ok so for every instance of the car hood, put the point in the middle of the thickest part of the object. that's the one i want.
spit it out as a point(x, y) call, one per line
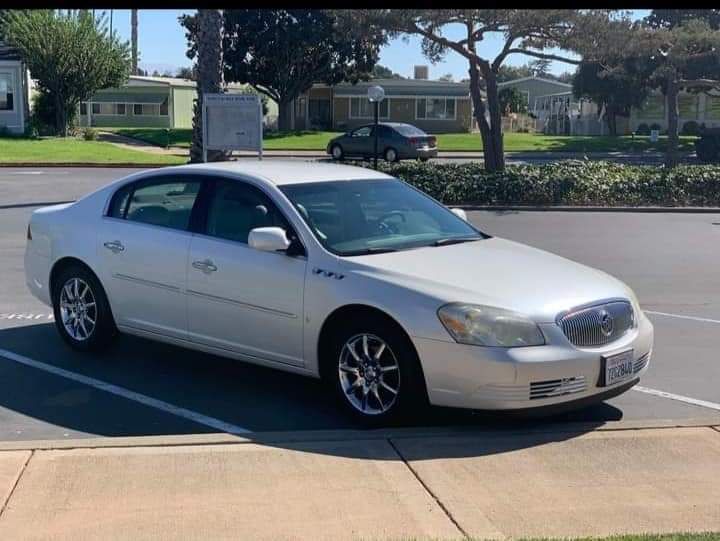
point(496, 272)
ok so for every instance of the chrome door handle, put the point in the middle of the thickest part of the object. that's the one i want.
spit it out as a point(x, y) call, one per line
point(205, 265)
point(114, 246)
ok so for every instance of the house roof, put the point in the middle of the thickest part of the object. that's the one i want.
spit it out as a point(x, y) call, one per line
point(147, 80)
point(542, 79)
point(405, 87)
point(8, 53)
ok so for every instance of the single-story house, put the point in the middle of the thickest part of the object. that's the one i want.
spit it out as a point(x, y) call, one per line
point(14, 84)
point(534, 87)
point(703, 108)
point(149, 102)
point(433, 106)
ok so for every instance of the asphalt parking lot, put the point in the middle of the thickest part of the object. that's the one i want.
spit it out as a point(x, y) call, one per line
point(143, 388)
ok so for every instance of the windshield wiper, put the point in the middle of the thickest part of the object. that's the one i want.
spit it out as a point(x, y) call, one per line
point(368, 251)
point(454, 240)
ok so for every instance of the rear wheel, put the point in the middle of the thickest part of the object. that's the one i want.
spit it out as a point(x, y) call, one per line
point(375, 372)
point(337, 152)
point(81, 309)
point(391, 155)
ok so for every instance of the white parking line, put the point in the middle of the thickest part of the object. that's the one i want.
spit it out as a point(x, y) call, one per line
point(680, 316)
point(126, 393)
point(678, 397)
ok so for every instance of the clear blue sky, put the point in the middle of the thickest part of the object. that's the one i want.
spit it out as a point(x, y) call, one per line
point(162, 46)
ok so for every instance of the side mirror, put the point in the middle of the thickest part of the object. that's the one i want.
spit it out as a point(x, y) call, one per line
point(268, 239)
point(460, 213)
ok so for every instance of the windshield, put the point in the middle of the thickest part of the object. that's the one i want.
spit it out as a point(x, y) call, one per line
point(357, 217)
point(409, 131)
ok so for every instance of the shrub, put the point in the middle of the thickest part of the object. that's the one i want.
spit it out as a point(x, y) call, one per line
point(655, 126)
point(572, 182)
point(89, 134)
point(643, 129)
point(690, 128)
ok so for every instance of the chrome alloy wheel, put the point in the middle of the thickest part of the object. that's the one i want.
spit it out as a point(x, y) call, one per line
point(369, 374)
point(78, 309)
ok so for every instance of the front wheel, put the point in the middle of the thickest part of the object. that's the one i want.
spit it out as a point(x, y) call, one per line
point(81, 309)
point(376, 373)
point(337, 152)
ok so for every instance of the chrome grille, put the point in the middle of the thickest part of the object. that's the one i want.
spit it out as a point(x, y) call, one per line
point(557, 387)
point(587, 327)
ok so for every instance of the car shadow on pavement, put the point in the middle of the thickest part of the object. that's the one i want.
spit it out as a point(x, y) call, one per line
point(255, 398)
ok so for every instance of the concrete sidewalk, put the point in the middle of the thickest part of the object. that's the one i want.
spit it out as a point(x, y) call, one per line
point(566, 481)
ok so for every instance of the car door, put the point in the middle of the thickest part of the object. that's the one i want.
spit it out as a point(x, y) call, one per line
point(143, 246)
point(359, 142)
point(239, 298)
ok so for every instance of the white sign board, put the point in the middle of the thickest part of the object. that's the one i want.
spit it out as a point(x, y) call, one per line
point(232, 122)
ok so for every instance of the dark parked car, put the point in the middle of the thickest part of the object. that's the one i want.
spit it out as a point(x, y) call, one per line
point(707, 147)
point(396, 141)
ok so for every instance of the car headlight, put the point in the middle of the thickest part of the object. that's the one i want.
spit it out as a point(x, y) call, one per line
point(480, 325)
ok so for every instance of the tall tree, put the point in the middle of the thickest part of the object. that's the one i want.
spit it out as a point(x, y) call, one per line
point(512, 100)
point(282, 52)
point(615, 90)
point(528, 32)
point(540, 67)
point(70, 55)
point(134, 39)
point(448, 77)
point(186, 73)
point(381, 72)
point(205, 34)
point(670, 18)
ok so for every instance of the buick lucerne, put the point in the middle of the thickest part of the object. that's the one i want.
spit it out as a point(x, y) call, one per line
point(337, 272)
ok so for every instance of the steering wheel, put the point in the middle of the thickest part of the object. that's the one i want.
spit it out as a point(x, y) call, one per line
point(388, 227)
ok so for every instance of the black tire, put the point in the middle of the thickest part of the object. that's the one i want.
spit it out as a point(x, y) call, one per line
point(411, 398)
point(104, 329)
point(337, 152)
point(391, 155)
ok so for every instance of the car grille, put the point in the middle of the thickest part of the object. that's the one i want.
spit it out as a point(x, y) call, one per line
point(598, 325)
point(557, 387)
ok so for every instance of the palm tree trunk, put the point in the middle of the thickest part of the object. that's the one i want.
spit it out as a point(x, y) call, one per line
point(134, 39)
point(209, 64)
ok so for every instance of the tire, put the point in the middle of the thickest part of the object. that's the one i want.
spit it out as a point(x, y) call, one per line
point(95, 327)
point(390, 155)
point(337, 153)
point(341, 371)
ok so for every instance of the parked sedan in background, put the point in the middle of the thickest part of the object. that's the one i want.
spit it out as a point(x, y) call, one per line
point(337, 272)
point(396, 141)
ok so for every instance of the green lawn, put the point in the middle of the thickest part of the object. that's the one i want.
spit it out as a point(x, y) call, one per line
point(72, 150)
point(514, 142)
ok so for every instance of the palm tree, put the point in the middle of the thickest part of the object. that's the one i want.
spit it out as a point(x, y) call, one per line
point(209, 67)
point(134, 39)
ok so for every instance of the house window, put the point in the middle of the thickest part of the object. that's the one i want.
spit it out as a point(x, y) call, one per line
point(6, 92)
point(120, 109)
point(362, 108)
point(654, 107)
point(150, 109)
point(96, 108)
point(712, 107)
point(103, 108)
point(688, 106)
point(435, 108)
point(83, 108)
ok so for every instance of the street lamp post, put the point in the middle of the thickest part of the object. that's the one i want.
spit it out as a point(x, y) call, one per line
point(376, 94)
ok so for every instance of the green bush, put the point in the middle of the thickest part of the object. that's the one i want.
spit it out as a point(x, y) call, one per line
point(572, 182)
point(690, 128)
point(655, 126)
point(643, 129)
point(89, 134)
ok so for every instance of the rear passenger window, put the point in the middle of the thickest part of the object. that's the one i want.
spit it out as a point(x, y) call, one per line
point(119, 202)
point(166, 203)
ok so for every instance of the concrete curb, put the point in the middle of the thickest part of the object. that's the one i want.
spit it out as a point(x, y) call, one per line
point(308, 436)
point(87, 165)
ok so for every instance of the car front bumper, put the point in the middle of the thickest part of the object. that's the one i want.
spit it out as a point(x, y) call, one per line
point(489, 378)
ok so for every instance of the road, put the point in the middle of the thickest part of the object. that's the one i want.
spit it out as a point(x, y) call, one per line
point(141, 387)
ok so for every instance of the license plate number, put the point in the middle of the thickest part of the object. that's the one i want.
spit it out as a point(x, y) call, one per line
point(618, 367)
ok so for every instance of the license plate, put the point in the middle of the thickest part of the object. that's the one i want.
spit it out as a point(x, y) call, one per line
point(618, 367)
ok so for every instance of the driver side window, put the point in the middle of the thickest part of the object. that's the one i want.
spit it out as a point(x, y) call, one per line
point(236, 208)
point(362, 132)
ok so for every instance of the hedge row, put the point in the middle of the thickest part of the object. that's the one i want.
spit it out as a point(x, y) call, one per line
point(572, 182)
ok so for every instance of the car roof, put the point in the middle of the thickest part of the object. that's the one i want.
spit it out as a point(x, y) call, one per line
point(281, 172)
